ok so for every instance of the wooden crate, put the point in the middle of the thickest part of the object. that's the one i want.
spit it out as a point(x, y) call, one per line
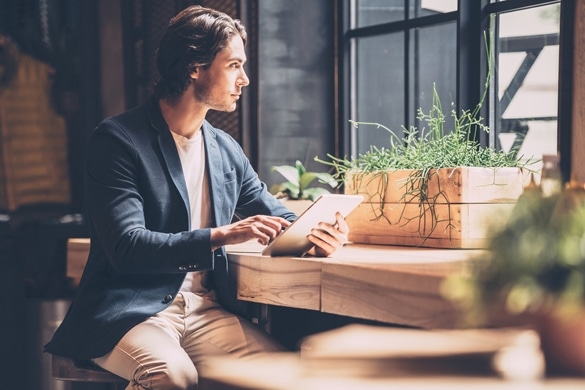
point(463, 205)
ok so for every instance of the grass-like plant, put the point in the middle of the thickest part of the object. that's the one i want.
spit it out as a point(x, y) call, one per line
point(432, 148)
point(425, 151)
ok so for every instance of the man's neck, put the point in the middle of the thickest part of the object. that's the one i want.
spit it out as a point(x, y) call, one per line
point(183, 116)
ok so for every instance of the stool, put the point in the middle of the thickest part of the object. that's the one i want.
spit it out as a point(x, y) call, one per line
point(65, 369)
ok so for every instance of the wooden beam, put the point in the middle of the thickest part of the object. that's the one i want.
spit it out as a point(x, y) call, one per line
point(578, 117)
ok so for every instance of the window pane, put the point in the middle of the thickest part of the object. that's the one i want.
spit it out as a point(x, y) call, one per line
point(527, 80)
point(379, 89)
point(436, 6)
point(371, 12)
point(433, 63)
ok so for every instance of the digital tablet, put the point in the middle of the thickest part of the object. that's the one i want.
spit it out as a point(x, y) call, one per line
point(293, 240)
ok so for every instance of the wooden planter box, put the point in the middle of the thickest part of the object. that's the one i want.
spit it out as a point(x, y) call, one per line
point(461, 206)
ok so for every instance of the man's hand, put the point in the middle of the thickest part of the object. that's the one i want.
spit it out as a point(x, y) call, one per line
point(264, 228)
point(328, 238)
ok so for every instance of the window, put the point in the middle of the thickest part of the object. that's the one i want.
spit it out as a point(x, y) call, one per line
point(526, 83)
point(395, 52)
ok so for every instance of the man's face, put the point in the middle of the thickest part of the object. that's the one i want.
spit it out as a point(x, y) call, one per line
point(220, 85)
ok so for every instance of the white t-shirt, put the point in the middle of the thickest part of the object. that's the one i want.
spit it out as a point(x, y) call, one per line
point(192, 155)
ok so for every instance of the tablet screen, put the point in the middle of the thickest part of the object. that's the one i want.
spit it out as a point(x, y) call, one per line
point(293, 240)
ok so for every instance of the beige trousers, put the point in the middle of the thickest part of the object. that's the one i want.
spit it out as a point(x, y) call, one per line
point(164, 351)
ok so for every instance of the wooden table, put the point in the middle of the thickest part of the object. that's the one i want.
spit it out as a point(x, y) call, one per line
point(398, 285)
point(392, 284)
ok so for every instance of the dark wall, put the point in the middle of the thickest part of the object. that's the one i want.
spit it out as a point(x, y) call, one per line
point(296, 84)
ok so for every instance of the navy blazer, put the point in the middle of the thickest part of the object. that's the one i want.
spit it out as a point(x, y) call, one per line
point(138, 216)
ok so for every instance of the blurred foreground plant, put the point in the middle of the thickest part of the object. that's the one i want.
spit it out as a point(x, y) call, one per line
point(535, 264)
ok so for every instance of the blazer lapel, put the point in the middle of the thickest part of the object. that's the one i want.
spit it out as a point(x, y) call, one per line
point(214, 171)
point(169, 153)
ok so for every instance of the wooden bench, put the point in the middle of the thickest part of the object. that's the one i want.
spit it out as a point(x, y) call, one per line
point(65, 369)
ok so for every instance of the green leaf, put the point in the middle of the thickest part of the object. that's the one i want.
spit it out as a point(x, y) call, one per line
point(300, 168)
point(276, 188)
point(298, 181)
point(307, 179)
point(292, 189)
point(314, 193)
point(326, 178)
point(291, 174)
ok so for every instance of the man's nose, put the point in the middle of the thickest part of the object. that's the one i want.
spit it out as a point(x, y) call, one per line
point(243, 80)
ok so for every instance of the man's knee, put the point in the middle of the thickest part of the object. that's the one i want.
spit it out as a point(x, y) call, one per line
point(170, 375)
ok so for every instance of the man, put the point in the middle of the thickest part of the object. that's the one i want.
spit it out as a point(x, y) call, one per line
point(162, 189)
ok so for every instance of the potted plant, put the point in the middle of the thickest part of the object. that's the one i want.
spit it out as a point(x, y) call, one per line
point(533, 273)
point(433, 187)
point(300, 190)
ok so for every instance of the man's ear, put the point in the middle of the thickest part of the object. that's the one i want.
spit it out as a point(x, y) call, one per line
point(194, 73)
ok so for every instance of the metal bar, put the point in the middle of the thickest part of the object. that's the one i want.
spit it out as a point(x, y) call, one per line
point(514, 5)
point(532, 42)
point(402, 25)
point(518, 79)
point(566, 80)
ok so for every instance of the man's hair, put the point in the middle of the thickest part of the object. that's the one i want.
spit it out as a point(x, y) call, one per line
point(192, 39)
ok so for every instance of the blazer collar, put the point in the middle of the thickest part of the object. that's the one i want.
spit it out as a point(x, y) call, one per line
point(214, 170)
point(171, 157)
point(168, 150)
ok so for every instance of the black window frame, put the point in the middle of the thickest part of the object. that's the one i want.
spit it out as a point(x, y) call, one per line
point(472, 19)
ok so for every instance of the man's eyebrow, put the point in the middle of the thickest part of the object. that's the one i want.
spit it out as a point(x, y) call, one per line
point(237, 59)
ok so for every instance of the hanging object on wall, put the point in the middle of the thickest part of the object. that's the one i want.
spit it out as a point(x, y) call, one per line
point(33, 137)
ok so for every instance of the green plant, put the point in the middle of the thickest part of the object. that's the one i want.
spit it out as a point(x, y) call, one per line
point(298, 182)
point(424, 152)
point(534, 264)
point(434, 148)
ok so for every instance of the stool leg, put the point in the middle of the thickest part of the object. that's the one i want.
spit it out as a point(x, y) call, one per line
point(264, 317)
point(261, 316)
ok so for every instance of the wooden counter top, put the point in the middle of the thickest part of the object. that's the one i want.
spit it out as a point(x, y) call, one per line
point(399, 285)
